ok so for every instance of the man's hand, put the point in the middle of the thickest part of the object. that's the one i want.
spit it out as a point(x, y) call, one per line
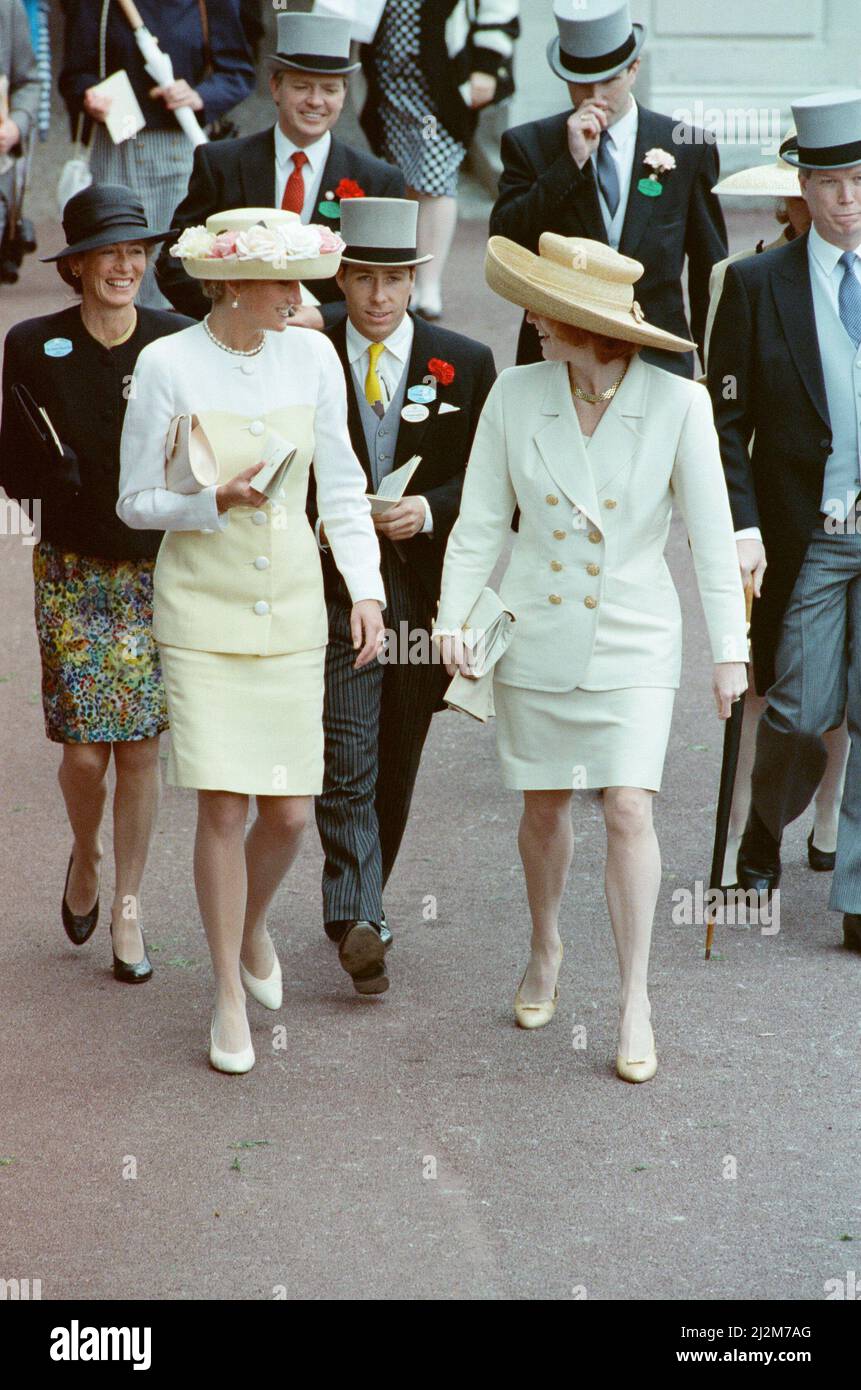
point(306, 316)
point(239, 492)
point(96, 105)
point(752, 563)
point(482, 89)
point(9, 135)
point(402, 521)
point(177, 94)
point(367, 631)
point(584, 130)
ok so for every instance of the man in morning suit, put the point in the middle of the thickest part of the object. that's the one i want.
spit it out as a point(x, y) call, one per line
point(785, 367)
point(295, 164)
point(412, 389)
point(585, 173)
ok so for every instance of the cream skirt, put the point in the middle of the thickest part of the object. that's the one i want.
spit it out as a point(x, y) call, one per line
point(562, 740)
point(251, 724)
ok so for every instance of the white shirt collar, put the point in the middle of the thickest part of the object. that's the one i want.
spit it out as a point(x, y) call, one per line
point(317, 153)
point(825, 252)
point(624, 132)
point(399, 343)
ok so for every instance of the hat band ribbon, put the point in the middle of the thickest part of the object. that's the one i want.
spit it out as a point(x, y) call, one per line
point(315, 61)
point(126, 218)
point(382, 255)
point(605, 60)
point(828, 154)
point(603, 304)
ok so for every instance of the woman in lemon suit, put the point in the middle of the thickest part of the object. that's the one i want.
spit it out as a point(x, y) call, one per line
point(239, 613)
point(593, 446)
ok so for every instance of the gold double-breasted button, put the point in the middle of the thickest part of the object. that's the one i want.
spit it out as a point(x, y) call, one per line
point(594, 537)
point(593, 569)
point(559, 535)
point(556, 565)
point(610, 504)
point(555, 598)
point(551, 499)
point(591, 602)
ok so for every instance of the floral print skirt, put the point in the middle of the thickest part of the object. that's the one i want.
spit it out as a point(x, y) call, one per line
point(101, 675)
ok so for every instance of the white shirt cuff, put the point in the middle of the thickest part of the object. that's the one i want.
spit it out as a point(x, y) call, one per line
point(317, 527)
point(427, 528)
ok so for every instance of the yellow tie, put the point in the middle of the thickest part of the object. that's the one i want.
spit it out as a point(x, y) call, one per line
point(373, 386)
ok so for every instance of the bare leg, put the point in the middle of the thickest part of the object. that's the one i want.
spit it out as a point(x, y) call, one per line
point(135, 807)
point(271, 846)
point(830, 794)
point(436, 229)
point(633, 879)
point(83, 782)
point(219, 876)
point(546, 844)
point(753, 706)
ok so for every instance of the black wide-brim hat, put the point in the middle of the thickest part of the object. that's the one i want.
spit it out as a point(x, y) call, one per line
point(103, 214)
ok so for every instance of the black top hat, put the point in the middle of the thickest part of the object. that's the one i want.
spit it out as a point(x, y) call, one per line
point(103, 214)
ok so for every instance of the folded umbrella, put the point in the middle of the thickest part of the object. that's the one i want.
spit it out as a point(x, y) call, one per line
point(160, 68)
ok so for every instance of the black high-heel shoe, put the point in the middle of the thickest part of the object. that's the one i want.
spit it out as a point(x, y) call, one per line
point(823, 860)
point(131, 974)
point(78, 928)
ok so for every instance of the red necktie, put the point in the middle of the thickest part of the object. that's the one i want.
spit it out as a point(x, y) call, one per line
point(294, 189)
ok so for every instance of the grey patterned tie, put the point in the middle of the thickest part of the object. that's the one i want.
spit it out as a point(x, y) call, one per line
point(849, 298)
point(608, 174)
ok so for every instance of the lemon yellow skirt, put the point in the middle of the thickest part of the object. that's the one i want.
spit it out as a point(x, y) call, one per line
point(578, 739)
point(251, 724)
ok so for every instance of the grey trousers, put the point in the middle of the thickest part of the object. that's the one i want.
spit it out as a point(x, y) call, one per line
point(818, 677)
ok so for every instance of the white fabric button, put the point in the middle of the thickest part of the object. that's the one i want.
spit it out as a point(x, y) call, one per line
point(261, 563)
point(259, 518)
point(261, 608)
point(246, 369)
point(257, 427)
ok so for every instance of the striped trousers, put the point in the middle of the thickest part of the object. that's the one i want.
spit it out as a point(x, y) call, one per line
point(375, 722)
point(818, 678)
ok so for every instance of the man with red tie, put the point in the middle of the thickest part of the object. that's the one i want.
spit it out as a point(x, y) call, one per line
point(297, 164)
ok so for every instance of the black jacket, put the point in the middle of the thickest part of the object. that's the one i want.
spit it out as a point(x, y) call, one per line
point(443, 441)
point(84, 393)
point(241, 174)
point(765, 377)
point(543, 190)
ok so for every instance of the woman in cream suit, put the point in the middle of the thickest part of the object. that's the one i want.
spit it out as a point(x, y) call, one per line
point(239, 612)
point(593, 446)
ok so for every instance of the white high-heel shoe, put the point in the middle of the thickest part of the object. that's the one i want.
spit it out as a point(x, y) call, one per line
point(232, 1062)
point(638, 1069)
point(268, 992)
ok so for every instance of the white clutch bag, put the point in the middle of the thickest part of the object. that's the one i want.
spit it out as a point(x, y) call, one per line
point(190, 463)
point(487, 633)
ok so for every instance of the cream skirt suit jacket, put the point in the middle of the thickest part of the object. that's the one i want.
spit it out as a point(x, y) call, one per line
point(584, 693)
point(239, 613)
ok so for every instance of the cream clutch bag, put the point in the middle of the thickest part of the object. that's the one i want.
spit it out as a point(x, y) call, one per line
point(487, 633)
point(190, 464)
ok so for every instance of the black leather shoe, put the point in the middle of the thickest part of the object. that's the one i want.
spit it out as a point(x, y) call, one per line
point(78, 929)
point(852, 931)
point(758, 857)
point(131, 974)
point(820, 859)
point(362, 954)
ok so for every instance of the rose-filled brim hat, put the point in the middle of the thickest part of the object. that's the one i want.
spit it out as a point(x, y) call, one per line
point(576, 281)
point(258, 244)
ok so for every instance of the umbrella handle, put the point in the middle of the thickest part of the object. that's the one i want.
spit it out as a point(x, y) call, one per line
point(132, 13)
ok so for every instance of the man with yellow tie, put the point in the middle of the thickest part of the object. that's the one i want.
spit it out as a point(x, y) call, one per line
point(413, 388)
point(298, 164)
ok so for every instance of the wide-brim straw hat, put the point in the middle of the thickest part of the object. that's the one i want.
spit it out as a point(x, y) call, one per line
point(577, 281)
point(775, 180)
point(293, 267)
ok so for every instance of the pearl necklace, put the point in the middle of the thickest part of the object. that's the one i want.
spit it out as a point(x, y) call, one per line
point(602, 395)
point(235, 352)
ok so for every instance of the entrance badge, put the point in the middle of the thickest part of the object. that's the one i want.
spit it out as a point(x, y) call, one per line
point(415, 413)
point(58, 347)
point(423, 395)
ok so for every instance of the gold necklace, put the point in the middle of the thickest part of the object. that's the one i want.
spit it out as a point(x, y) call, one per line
point(602, 395)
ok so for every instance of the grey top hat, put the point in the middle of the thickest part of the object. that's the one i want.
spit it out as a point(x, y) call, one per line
point(828, 131)
point(596, 39)
point(380, 231)
point(313, 43)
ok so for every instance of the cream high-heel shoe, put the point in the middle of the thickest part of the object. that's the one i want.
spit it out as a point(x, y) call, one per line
point(536, 1015)
point(268, 992)
point(232, 1062)
point(629, 1069)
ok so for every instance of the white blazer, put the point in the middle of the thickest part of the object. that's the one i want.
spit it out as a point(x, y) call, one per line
point(587, 580)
